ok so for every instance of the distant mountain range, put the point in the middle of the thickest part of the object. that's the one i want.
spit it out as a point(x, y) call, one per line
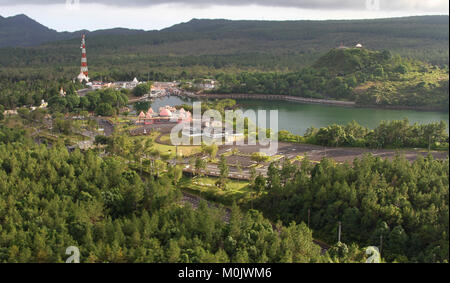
point(23, 31)
point(222, 44)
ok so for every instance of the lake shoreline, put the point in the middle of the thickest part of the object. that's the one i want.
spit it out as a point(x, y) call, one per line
point(296, 99)
point(298, 117)
point(277, 98)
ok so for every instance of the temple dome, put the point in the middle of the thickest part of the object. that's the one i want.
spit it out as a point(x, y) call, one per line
point(165, 113)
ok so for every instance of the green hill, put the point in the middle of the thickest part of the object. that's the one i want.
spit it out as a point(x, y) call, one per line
point(352, 60)
point(383, 79)
point(213, 46)
point(250, 57)
point(355, 74)
point(22, 31)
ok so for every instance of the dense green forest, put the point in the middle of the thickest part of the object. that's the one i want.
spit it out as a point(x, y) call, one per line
point(28, 91)
point(50, 199)
point(406, 204)
point(367, 77)
point(209, 47)
point(102, 102)
point(389, 134)
point(19, 88)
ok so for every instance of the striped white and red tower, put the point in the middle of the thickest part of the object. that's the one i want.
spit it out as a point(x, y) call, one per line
point(84, 66)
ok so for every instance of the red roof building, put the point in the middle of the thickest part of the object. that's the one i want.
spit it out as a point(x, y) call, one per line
point(165, 113)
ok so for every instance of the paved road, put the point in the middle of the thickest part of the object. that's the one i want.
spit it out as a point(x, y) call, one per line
point(83, 92)
point(339, 154)
point(106, 125)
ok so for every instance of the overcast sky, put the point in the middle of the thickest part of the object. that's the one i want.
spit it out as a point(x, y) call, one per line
point(156, 14)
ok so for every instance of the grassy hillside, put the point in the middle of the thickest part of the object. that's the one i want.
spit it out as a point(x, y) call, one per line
point(253, 57)
point(210, 47)
point(383, 79)
point(352, 60)
point(356, 74)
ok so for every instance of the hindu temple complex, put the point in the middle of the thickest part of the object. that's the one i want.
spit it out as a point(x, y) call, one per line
point(165, 114)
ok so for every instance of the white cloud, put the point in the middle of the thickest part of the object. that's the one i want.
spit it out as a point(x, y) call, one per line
point(415, 5)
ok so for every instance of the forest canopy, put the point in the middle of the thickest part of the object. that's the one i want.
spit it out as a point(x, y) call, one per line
point(51, 199)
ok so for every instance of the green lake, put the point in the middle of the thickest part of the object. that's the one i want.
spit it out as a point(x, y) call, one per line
point(298, 117)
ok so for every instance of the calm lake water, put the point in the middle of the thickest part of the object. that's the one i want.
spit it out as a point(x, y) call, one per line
point(298, 117)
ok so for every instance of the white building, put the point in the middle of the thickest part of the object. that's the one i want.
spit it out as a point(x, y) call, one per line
point(10, 112)
point(82, 77)
point(43, 104)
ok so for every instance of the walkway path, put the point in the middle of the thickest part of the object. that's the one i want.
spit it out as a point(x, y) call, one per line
point(271, 97)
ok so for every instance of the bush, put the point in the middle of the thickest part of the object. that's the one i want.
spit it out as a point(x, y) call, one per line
point(141, 89)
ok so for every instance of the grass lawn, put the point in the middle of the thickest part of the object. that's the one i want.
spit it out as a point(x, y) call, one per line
point(236, 191)
point(182, 150)
point(123, 127)
point(120, 119)
point(165, 149)
point(165, 138)
point(185, 151)
point(169, 149)
point(189, 150)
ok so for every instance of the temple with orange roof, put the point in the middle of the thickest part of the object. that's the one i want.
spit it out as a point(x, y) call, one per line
point(166, 114)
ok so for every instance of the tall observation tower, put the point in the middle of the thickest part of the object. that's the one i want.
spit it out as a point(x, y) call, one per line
point(83, 76)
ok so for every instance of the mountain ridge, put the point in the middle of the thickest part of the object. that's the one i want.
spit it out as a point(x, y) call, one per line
point(218, 44)
point(21, 30)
